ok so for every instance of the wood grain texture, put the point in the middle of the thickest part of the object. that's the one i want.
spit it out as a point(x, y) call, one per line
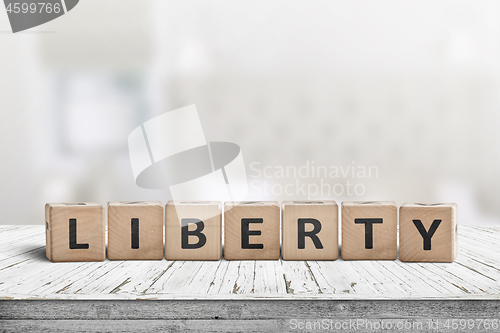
point(258, 309)
point(238, 315)
point(443, 245)
point(326, 213)
point(269, 212)
point(25, 273)
point(149, 239)
point(74, 232)
point(210, 213)
point(384, 234)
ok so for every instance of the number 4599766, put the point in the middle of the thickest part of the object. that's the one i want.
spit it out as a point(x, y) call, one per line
point(472, 324)
point(32, 7)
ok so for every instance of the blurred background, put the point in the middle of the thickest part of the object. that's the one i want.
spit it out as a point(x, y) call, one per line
point(408, 87)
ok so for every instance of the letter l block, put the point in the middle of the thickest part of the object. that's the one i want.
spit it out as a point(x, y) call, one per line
point(74, 232)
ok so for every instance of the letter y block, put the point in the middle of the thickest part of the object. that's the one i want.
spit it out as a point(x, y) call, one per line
point(428, 232)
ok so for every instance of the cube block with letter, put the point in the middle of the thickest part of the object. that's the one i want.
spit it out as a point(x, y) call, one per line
point(428, 232)
point(193, 230)
point(74, 232)
point(135, 230)
point(369, 230)
point(310, 230)
point(252, 230)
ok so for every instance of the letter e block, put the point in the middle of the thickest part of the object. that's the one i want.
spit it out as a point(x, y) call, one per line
point(369, 230)
point(310, 230)
point(428, 233)
point(252, 230)
point(135, 230)
point(193, 230)
point(74, 232)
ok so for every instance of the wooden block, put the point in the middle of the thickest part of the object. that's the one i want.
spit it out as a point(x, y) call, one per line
point(74, 232)
point(369, 230)
point(135, 230)
point(310, 230)
point(193, 230)
point(428, 233)
point(251, 230)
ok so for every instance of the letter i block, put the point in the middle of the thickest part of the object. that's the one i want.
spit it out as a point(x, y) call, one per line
point(74, 232)
point(310, 230)
point(252, 230)
point(193, 230)
point(135, 230)
point(369, 230)
point(428, 233)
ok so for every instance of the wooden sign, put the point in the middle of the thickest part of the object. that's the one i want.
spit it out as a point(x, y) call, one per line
point(74, 232)
point(193, 231)
point(310, 230)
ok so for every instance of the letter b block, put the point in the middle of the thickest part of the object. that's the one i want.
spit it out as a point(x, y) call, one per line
point(252, 230)
point(369, 230)
point(74, 232)
point(310, 230)
point(428, 233)
point(193, 230)
point(135, 230)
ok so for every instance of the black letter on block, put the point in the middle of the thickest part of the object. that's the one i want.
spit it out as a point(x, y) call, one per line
point(312, 234)
point(73, 245)
point(246, 233)
point(134, 225)
point(202, 239)
point(427, 235)
point(368, 230)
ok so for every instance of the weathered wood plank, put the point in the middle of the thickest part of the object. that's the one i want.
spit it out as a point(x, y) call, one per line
point(245, 309)
point(25, 273)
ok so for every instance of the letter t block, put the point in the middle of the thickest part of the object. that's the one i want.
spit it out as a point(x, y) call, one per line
point(428, 233)
point(369, 230)
point(193, 230)
point(252, 230)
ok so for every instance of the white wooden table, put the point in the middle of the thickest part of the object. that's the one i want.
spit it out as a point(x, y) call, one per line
point(253, 295)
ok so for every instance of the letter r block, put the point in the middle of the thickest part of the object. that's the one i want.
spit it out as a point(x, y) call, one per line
point(193, 230)
point(74, 232)
point(135, 230)
point(310, 230)
point(252, 230)
point(369, 230)
point(428, 233)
